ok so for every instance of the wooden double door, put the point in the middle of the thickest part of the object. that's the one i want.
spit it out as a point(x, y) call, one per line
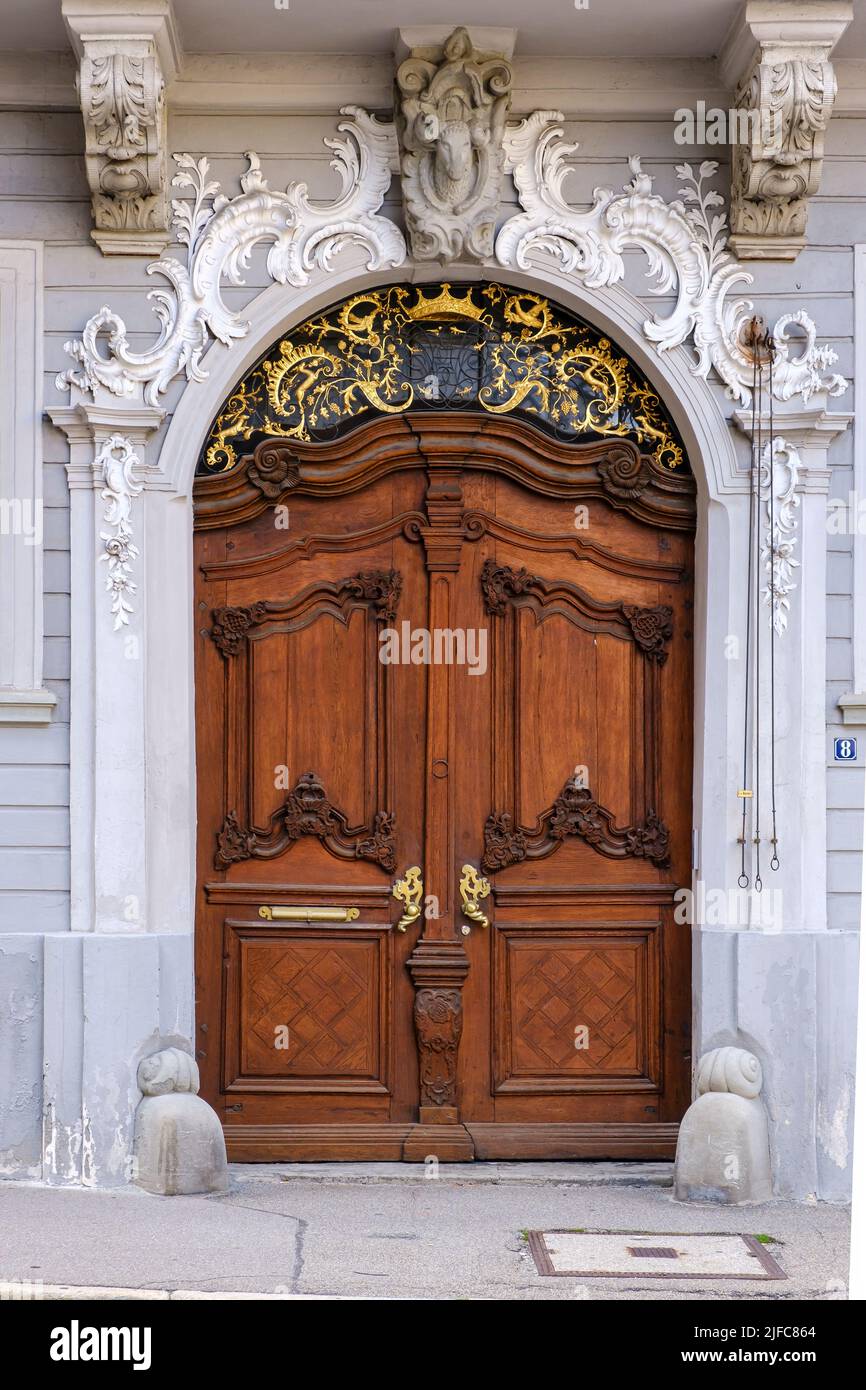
point(450, 654)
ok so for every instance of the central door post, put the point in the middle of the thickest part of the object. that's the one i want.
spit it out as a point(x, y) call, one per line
point(438, 965)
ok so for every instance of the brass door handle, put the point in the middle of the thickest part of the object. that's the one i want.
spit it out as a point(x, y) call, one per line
point(309, 914)
point(409, 891)
point(472, 888)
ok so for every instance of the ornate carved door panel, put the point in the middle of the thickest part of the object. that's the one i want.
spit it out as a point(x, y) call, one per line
point(575, 803)
point(552, 758)
point(310, 756)
point(476, 470)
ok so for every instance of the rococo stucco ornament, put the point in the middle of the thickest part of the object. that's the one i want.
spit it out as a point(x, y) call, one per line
point(451, 123)
point(116, 463)
point(781, 505)
point(685, 243)
point(220, 234)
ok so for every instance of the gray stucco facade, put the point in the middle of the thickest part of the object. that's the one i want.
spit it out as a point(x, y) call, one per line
point(82, 1000)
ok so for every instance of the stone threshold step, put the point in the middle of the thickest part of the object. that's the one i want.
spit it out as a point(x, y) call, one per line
point(582, 1174)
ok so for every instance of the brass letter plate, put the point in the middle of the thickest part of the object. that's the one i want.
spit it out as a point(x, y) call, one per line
point(309, 914)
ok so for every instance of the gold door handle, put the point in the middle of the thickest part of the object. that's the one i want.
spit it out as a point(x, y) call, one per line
point(409, 891)
point(472, 888)
point(309, 914)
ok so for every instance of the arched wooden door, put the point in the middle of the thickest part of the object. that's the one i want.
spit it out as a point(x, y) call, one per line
point(447, 642)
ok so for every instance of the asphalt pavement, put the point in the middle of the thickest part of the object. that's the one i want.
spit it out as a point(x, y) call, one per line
point(390, 1231)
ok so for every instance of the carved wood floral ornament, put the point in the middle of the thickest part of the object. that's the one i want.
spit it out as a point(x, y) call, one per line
point(575, 811)
point(306, 810)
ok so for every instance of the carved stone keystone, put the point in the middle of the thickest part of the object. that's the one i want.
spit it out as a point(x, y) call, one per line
point(450, 115)
point(723, 1149)
point(178, 1146)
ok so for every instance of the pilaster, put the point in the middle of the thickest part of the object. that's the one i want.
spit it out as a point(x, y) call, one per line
point(797, 463)
point(23, 697)
point(107, 724)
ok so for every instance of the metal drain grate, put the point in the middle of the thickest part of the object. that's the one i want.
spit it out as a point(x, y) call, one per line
point(653, 1252)
point(631, 1254)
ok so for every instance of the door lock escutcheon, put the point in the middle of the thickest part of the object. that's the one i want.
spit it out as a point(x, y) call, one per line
point(472, 888)
point(409, 891)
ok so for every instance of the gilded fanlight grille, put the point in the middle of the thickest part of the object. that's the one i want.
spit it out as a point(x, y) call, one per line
point(486, 347)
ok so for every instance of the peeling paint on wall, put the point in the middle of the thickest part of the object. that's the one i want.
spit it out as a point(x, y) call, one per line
point(833, 1127)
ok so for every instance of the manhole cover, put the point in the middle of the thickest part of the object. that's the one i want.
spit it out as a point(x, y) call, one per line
point(662, 1255)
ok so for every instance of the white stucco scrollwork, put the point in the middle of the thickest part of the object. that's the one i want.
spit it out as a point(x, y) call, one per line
point(685, 243)
point(116, 462)
point(220, 234)
point(780, 522)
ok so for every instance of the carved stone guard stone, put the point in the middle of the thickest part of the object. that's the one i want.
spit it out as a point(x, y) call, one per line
point(723, 1149)
point(179, 1146)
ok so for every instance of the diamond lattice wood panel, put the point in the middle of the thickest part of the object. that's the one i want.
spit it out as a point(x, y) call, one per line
point(320, 994)
point(578, 1007)
point(306, 1009)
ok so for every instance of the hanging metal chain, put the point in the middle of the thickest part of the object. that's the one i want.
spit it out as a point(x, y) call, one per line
point(763, 348)
point(774, 861)
point(745, 792)
point(758, 450)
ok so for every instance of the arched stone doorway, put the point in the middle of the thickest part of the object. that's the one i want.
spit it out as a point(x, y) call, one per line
point(133, 764)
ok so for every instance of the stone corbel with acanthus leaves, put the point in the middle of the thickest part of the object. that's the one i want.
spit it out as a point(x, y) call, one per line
point(777, 59)
point(127, 54)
